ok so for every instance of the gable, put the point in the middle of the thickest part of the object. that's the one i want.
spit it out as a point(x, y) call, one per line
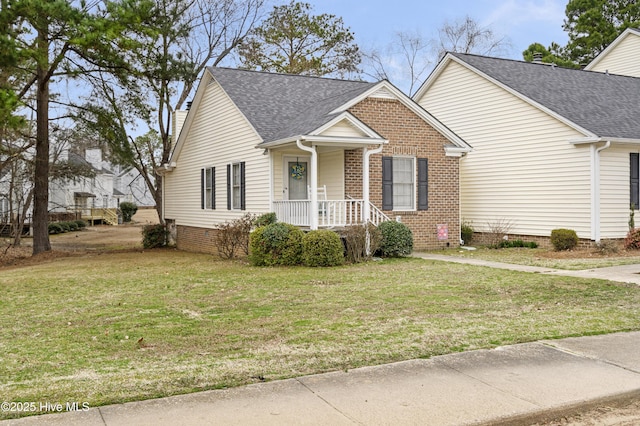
point(345, 128)
point(621, 57)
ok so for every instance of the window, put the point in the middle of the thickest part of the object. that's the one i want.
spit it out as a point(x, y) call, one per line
point(400, 181)
point(208, 188)
point(236, 186)
point(634, 172)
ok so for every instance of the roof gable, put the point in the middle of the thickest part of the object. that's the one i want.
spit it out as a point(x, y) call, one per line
point(596, 104)
point(629, 32)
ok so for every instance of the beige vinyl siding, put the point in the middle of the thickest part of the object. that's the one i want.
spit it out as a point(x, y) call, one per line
point(218, 135)
point(523, 169)
point(343, 129)
point(330, 173)
point(615, 191)
point(624, 59)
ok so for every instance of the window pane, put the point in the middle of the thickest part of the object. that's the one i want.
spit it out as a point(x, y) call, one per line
point(208, 201)
point(403, 183)
point(235, 198)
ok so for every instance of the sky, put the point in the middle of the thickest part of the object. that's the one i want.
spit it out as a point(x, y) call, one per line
point(521, 22)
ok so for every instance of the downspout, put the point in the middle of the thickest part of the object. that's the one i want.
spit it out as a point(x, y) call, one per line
point(366, 211)
point(313, 172)
point(595, 190)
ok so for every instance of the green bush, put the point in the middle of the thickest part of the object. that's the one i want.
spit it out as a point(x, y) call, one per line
point(154, 236)
point(466, 232)
point(397, 239)
point(322, 248)
point(265, 219)
point(65, 226)
point(632, 240)
point(55, 228)
point(73, 226)
point(517, 244)
point(128, 210)
point(564, 239)
point(81, 224)
point(276, 244)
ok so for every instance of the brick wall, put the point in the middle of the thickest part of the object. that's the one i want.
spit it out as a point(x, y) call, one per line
point(200, 240)
point(409, 135)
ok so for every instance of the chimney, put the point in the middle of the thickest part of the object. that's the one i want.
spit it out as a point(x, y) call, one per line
point(537, 58)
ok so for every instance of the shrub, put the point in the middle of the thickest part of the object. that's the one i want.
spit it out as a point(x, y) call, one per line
point(466, 232)
point(322, 248)
point(128, 210)
point(234, 235)
point(55, 228)
point(154, 236)
point(265, 219)
point(397, 239)
point(517, 244)
point(81, 224)
point(73, 226)
point(564, 239)
point(65, 226)
point(276, 244)
point(355, 241)
point(606, 247)
point(498, 229)
point(632, 240)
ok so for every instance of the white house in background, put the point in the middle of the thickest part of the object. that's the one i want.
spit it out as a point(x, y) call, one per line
point(107, 188)
point(553, 147)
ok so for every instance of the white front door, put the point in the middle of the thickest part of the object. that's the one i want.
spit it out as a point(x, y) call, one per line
point(296, 182)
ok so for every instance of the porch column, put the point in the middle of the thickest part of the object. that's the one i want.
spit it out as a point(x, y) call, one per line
point(366, 211)
point(313, 183)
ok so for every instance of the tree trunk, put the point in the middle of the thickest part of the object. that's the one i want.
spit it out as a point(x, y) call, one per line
point(41, 241)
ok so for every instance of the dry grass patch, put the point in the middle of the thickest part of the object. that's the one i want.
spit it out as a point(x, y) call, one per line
point(127, 326)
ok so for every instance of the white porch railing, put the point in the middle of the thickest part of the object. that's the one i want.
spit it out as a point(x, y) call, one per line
point(331, 213)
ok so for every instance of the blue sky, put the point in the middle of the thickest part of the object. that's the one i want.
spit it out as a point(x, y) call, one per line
point(520, 22)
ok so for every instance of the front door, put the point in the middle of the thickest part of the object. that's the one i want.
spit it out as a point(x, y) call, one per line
point(297, 172)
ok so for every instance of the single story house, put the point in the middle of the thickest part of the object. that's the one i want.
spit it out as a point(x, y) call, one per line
point(319, 152)
point(552, 147)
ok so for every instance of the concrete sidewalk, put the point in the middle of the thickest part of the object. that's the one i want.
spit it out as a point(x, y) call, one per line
point(624, 273)
point(520, 384)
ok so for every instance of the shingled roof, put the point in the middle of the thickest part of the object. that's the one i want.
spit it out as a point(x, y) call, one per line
point(606, 105)
point(282, 105)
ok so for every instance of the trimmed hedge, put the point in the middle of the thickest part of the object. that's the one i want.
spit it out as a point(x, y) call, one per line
point(322, 248)
point(154, 236)
point(564, 239)
point(397, 239)
point(66, 226)
point(276, 244)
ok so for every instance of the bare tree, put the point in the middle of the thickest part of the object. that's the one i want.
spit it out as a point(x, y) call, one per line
point(467, 36)
point(406, 58)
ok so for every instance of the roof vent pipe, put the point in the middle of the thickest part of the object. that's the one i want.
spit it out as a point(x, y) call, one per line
point(189, 105)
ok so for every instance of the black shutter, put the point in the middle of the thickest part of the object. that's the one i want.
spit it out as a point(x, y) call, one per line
point(242, 187)
point(635, 179)
point(387, 183)
point(213, 188)
point(423, 184)
point(202, 188)
point(228, 186)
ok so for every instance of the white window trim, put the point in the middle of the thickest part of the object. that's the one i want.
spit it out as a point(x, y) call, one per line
point(233, 186)
point(208, 202)
point(413, 208)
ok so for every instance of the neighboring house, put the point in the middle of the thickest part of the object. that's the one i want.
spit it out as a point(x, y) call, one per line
point(553, 147)
point(106, 188)
point(620, 57)
point(318, 152)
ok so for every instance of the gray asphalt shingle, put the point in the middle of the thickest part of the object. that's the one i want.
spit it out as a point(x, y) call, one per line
point(606, 105)
point(281, 105)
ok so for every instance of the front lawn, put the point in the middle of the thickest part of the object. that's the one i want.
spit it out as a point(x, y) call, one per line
point(118, 327)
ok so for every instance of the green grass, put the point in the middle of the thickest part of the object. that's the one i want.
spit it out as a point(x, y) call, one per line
point(583, 259)
point(69, 329)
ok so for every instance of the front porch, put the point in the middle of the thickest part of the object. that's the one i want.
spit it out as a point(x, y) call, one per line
point(309, 182)
point(330, 213)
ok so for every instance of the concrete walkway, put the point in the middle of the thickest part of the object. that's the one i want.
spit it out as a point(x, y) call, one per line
point(512, 385)
point(624, 274)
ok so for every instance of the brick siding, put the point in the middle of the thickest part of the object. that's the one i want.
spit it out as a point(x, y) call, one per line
point(409, 135)
point(199, 240)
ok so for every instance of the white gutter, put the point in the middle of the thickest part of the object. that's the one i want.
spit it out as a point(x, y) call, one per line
point(595, 190)
point(313, 174)
point(365, 179)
